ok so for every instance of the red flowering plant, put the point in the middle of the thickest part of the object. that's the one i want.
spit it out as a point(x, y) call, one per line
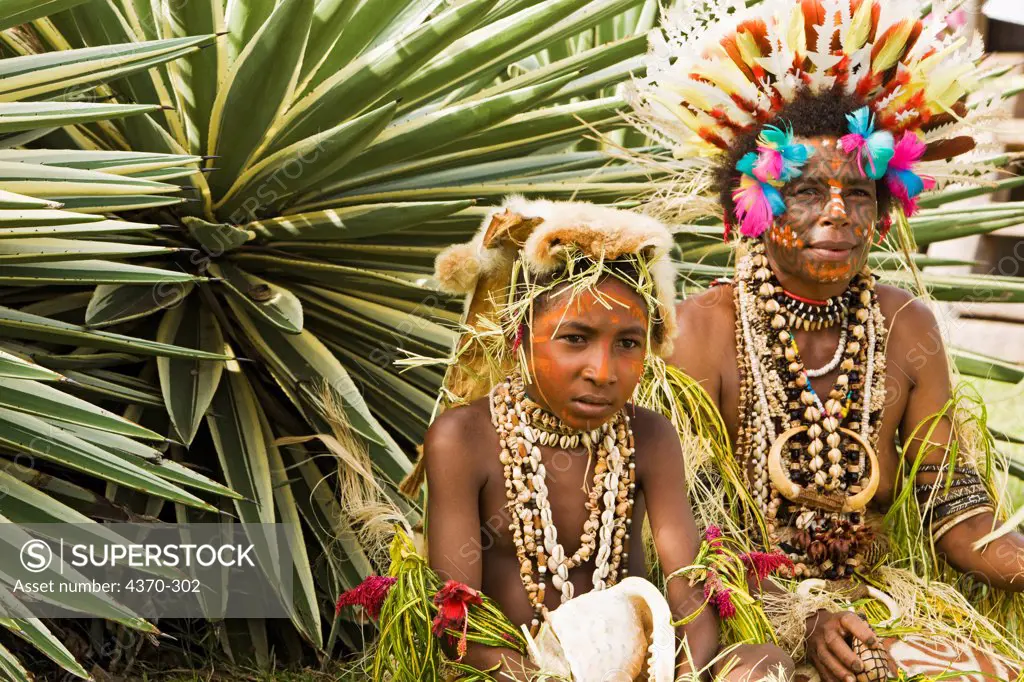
point(724, 569)
point(370, 594)
point(453, 602)
point(420, 613)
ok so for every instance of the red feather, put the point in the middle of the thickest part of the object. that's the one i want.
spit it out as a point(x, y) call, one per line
point(947, 149)
point(876, 13)
point(711, 137)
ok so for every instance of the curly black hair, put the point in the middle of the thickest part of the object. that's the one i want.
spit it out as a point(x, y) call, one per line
point(811, 115)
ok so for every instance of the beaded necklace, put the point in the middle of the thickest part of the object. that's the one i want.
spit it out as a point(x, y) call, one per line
point(811, 462)
point(523, 426)
point(812, 315)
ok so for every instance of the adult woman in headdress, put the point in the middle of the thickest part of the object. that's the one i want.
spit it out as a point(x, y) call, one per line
point(819, 124)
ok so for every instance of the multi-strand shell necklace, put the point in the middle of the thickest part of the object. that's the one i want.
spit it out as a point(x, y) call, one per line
point(811, 462)
point(523, 426)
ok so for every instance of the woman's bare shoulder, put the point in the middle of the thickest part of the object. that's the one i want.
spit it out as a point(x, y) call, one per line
point(713, 305)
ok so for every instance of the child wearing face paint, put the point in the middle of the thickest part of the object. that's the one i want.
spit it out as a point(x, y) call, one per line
point(821, 122)
point(541, 471)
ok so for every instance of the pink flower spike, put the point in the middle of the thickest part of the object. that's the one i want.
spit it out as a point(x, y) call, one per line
point(520, 332)
point(712, 533)
point(712, 584)
point(763, 564)
point(713, 536)
point(719, 595)
point(724, 604)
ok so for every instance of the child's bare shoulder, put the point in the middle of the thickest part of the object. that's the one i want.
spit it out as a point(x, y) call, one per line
point(652, 430)
point(455, 438)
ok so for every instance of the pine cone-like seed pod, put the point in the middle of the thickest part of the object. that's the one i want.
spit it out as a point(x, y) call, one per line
point(876, 662)
point(801, 540)
point(839, 550)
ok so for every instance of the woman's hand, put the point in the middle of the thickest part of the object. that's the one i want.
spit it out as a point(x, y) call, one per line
point(827, 647)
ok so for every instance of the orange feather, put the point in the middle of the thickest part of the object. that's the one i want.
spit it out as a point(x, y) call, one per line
point(732, 49)
point(814, 15)
point(876, 13)
point(759, 31)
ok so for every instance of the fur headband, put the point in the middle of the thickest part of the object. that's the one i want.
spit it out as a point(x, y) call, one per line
point(538, 232)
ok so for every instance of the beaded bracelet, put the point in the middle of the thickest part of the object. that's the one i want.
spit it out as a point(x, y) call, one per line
point(959, 482)
point(943, 468)
point(957, 494)
point(956, 506)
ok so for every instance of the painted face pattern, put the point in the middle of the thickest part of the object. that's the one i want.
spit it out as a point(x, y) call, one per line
point(831, 210)
point(835, 206)
point(586, 356)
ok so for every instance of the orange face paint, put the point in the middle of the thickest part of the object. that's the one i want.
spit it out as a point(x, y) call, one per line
point(784, 236)
point(586, 356)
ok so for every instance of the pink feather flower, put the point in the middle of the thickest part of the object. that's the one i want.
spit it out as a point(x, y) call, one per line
point(901, 179)
point(853, 143)
point(769, 165)
point(908, 150)
point(757, 204)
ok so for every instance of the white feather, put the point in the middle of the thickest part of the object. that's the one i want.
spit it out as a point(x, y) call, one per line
point(823, 44)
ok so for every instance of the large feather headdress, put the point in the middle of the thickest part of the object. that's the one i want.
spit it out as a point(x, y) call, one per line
point(718, 70)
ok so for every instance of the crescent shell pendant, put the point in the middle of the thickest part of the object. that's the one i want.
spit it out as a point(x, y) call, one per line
point(793, 491)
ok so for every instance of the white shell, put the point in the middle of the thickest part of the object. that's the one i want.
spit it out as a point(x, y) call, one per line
point(601, 636)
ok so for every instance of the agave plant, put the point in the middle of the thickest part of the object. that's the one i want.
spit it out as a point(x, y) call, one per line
point(217, 221)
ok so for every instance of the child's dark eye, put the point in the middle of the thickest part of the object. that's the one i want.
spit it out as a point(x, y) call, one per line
point(630, 343)
point(807, 192)
point(860, 193)
point(574, 338)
